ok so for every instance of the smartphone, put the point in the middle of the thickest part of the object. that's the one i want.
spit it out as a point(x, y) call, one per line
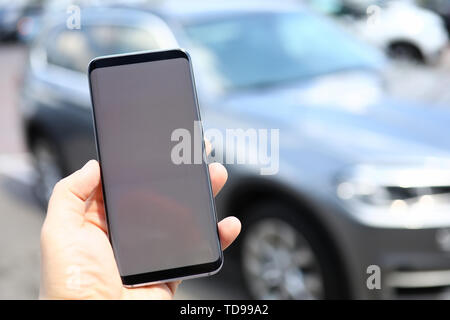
point(161, 215)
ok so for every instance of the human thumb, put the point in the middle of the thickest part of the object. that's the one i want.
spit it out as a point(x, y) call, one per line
point(70, 193)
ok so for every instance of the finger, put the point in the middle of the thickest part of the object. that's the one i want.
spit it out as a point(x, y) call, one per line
point(72, 191)
point(173, 286)
point(82, 182)
point(95, 210)
point(218, 175)
point(229, 229)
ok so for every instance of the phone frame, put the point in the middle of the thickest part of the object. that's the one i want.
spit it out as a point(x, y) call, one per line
point(181, 273)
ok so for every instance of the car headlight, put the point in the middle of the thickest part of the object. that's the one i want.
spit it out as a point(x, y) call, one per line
point(393, 185)
point(396, 195)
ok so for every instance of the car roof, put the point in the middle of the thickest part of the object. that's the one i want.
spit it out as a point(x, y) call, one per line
point(200, 9)
point(176, 10)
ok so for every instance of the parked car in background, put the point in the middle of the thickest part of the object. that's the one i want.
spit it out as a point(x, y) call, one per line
point(363, 179)
point(30, 21)
point(11, 13)
point(401, 28)
point(441, 7)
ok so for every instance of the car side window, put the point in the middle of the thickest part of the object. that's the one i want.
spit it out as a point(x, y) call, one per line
point(73, 49)
point(68, 49)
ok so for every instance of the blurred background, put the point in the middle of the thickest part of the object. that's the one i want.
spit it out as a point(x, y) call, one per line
point(358, 89)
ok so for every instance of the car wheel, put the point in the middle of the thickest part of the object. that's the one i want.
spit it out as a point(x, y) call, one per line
point(406, 52)
point(282, 256)
point(48, 168)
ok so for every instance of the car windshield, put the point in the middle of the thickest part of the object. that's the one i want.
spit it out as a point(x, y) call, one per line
point(254, 50)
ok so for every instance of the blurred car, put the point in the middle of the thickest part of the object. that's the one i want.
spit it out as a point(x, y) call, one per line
point(11, 13)
point(401, 28)
point(36, 12)
point(31, 18)
point(441, 7)
point(362, 178)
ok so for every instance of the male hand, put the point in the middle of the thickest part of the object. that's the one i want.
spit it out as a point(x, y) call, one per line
point(77, 261)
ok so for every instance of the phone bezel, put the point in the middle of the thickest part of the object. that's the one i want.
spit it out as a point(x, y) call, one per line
point(180, 273)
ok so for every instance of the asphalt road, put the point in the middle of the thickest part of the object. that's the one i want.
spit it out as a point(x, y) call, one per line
point(21, 217)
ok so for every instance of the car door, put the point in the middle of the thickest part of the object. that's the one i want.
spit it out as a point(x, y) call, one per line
point(63, 74)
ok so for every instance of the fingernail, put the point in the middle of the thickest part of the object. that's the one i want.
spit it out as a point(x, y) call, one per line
point(87, 164)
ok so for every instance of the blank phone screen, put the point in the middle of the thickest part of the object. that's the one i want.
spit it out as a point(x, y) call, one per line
point(160, 214)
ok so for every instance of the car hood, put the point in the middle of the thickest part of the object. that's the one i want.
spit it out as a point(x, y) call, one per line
point(346, 116)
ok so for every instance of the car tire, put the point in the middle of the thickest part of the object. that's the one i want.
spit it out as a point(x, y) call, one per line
point(283, 256)
point(406, 52)
point(48, 168)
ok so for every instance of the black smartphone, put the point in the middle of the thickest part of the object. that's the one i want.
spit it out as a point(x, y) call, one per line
point(161, 215)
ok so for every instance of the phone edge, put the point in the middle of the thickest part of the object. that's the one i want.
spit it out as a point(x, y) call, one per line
point(92, 67)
